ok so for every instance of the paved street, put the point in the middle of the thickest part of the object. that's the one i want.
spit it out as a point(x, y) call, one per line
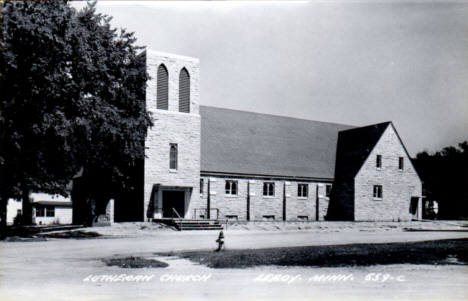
point(55, 269)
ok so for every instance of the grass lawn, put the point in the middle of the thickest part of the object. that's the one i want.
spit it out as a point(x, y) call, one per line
point(135, 262)
point(452, 251)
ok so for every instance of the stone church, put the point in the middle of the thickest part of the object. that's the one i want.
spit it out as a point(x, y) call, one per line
point(205, 161)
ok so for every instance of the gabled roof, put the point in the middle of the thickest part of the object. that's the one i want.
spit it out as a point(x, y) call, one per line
point(354, 146)
point(245, 143)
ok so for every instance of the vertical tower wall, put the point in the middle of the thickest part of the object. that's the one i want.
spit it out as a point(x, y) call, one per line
point(172, 127)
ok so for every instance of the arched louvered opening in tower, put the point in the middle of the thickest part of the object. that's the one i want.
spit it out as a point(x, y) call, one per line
point(184, 91)
point(163, 88)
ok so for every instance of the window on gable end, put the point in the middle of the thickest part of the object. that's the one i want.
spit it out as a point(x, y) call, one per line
point(378, 192)
point(378, 162)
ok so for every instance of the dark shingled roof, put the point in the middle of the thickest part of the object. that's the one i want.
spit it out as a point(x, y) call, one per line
point(354, 146)
point(237, 142)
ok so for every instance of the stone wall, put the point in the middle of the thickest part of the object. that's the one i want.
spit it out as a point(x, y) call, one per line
point(263, 207)
point(398, 185)
point(172, 127)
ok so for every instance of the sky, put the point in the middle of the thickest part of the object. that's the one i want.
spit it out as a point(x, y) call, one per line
point(355, 63)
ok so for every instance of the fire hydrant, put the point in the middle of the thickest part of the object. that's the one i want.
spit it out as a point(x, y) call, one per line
point(220, 241)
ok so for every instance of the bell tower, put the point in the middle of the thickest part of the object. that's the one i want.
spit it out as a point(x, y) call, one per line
point(172, 147)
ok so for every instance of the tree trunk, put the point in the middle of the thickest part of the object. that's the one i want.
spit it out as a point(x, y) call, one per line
point(90, 212)
point(3, 216)
point(3, 198)
point(27, 207)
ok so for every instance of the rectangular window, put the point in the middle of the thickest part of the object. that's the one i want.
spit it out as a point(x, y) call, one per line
point(231, 187)
point(173, 157)
point(268, 189)
point(378, 162)
point(268, 217)
point(303, 190)
point(377, 191)
point(328, 189)
point(303, 218)
point(201, 186)
point(50, 211)
point(40, 211)
point(232, 217)
point(401, 162)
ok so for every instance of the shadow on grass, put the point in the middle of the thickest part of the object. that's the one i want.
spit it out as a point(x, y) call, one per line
point(72, 234)
point(135, 263)
point(453, 251)
point(31, 236)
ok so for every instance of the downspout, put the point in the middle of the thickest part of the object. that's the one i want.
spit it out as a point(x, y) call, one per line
point(284, 201)
point(317, 202)
point(248, 200)
point(208, 200)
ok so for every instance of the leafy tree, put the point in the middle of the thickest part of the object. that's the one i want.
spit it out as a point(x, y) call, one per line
point(115, 92)
point(38, 148)
point(72, 98)
point(445, 176)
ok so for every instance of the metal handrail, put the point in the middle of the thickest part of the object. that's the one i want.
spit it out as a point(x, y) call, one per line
point(180, 219)
point(218, 212)
point(225, 218)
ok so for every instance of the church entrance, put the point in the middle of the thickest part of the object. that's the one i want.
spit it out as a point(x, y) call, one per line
point(173, 199)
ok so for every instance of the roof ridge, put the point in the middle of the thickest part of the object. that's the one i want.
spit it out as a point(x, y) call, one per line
point(218, 108)
point(367, 126)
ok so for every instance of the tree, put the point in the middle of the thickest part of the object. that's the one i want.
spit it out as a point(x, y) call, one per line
point(445, 175)
point(115, 94)
point(38, 146)
point(72, 98)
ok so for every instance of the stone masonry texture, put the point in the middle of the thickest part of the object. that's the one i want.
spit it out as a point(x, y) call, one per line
point(172, 127)
point(399, 186)
point(236, 206)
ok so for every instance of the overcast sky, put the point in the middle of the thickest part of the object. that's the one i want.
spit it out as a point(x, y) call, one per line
point(348, 63)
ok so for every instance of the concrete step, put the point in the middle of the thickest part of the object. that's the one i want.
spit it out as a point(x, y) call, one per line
point(193, 224)
point(196, 222)
point(214, 227)
point(184, 225)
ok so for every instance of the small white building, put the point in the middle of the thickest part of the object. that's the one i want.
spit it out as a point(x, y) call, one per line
point(47, 209)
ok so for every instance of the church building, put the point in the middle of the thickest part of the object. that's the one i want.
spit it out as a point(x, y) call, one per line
point(202, 162)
